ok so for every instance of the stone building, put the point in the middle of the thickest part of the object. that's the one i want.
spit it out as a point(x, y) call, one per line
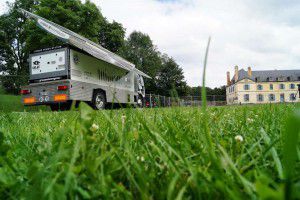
point(258, 87)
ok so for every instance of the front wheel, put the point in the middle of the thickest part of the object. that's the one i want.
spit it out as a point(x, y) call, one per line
point(99, 101)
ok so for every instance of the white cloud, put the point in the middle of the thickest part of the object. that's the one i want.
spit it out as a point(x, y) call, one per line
point(244, 33)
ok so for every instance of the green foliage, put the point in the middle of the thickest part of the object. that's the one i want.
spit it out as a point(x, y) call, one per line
point(170, 77)
point(196, 91)
point(165, 72)
point(140, 50)
point(112, 36)
point(2, 91)
point(147, 154)
point(13, 54)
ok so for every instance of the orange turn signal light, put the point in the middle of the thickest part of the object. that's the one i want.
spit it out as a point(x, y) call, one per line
point(60, 97)
point(29, 100)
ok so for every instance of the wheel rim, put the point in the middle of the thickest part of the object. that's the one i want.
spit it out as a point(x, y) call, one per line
point(99, 102)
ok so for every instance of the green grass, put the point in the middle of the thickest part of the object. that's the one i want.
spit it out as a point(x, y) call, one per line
point(150, 154)
point(11, 103)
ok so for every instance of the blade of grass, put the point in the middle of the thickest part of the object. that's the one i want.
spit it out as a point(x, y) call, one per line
point(249, 188)
point(273, 152)
point(204, 107)
point(291, 137)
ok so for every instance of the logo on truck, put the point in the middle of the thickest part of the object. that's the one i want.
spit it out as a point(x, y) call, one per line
point(36, 65)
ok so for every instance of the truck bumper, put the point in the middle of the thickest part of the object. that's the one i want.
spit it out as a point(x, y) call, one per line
point(47, 93)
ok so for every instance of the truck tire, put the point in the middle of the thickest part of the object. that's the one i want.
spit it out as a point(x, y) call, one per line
point(54, 107)
point(61, 106)
point(99, 100)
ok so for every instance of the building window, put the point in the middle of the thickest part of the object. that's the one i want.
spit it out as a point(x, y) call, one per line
point(282, 99)
point(231, 89)
point(271, 97)
point(292, 97)
point(271, 86)
point(260, 98)
point(292, 86)
point(281, 86)
point(288, 78)
point(246, 97)
point(259, 87)
point(246, 87)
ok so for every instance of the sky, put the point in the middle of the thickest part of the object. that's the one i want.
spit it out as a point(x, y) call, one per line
point(264, 35)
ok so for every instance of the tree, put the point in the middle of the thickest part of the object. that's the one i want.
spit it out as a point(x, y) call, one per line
point(218, 92)
point(171, 78)
point(19, 36)
point(139, 49)
point(13, 54)
point(112, 36)
point(166, 74)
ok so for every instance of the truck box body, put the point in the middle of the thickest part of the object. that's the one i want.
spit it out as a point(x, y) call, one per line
point(82, 71)
point(80, 74)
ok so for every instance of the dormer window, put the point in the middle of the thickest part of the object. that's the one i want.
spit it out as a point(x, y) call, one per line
point(246, 87)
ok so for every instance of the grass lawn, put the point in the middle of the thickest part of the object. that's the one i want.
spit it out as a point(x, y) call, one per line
point(11, 103)
point(166, 153)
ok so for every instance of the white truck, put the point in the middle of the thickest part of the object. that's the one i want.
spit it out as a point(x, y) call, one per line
point(79, 71)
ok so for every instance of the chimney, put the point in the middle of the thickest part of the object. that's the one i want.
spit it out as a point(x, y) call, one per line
point(228, 79)
point(236, 73)
point(249, 71)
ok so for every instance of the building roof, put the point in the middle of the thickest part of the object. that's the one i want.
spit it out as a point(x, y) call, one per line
point(269, 75)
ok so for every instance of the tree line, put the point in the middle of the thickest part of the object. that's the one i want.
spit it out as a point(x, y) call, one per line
point(19, 37)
